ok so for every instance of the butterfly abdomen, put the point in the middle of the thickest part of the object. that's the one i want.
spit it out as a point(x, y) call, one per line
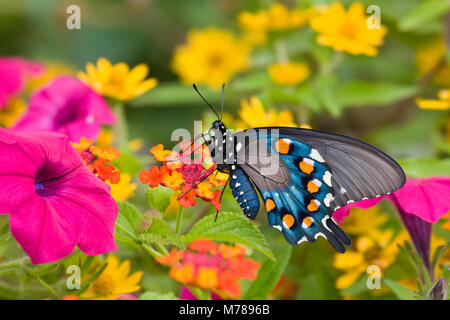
point(244, 192)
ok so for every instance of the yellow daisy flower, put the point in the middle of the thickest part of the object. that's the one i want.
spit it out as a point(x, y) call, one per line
point(254, 115)
point(442, 104)
point(210, 56)
point(429, 56)
point(378, 249)
point(12, 112)
point(347, 30)
point(277, 17)
point(114, 281)
point(124, 189)
point(117, 81)
point(364, 221)
point(288, 74)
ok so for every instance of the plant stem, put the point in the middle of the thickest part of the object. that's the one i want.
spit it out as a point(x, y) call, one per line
point(120, 128)
point(47, 286)
point(14, 263)
point(281, 51)
point(333, 63)
point(151, 251)
point(179, 219)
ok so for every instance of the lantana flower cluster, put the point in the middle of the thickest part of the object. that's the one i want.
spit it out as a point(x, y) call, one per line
point(193, 178)
point(212, 266)
point(99, 160)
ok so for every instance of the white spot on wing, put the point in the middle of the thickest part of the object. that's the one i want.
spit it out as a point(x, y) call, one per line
point(327, 178)
point(319, 234)
point(316, 155)
point(328, 199)
point(302, 239)
point(277, 227)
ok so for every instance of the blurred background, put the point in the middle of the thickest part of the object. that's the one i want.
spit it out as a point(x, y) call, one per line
point(373, 97)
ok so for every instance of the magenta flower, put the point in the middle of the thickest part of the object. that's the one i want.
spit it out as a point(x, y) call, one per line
point(66, 105)
point(54, 200)
point(13, 73)
point(426, 198)
point(186, 294)
point(420, 203)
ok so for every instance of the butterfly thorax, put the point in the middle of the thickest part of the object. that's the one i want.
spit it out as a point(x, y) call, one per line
point(222, 147)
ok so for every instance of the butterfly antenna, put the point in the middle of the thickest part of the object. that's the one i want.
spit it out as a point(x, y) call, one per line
point(221, 108)
point(212, 108)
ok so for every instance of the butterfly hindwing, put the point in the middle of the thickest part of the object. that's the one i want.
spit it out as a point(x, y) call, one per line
point(295, 192)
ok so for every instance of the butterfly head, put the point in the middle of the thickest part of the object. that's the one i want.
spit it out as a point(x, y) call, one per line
point(218, 125)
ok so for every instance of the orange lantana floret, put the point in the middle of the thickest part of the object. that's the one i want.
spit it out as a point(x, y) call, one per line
point(206, 277)
point(182, 273)
point(203, 246)
point(160, 154)
point(106, 172)
point(204, 266)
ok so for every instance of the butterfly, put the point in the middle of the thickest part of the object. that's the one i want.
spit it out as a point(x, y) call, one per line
point(302, 176)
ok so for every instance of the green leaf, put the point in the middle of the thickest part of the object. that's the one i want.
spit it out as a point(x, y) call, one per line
point(425, 167)
point(159, 198)
point(446, 271)
point(437, 256)
point(160, 232)
point(128, 220)
point(325, 86)
point(373, 93)
point(400, 291)
point(169, 94)
point(423, 14)
point(231, 227)
point(252, 81)
point(269, 274)
point(150, 295)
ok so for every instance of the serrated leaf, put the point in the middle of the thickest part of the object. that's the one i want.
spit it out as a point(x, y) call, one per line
point(160, 232)
point(128, 220)
point(269, 274)
point(159, 198)
point(150, 295)
point(400, 291)
point(422, 14)
point(231, 227)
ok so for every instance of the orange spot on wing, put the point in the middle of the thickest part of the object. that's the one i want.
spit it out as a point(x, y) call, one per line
point(308, 221)
point(288, 220)
point(306, 167)
point(270, 205)
point(312, 187)
point(312, 206)
point(282, 146)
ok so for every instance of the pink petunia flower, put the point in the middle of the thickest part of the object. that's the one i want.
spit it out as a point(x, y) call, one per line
point(54, 200)
point(186, 294)
point(420, 203)
point(426, 198)
point(13, 73)
point(66, 105)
